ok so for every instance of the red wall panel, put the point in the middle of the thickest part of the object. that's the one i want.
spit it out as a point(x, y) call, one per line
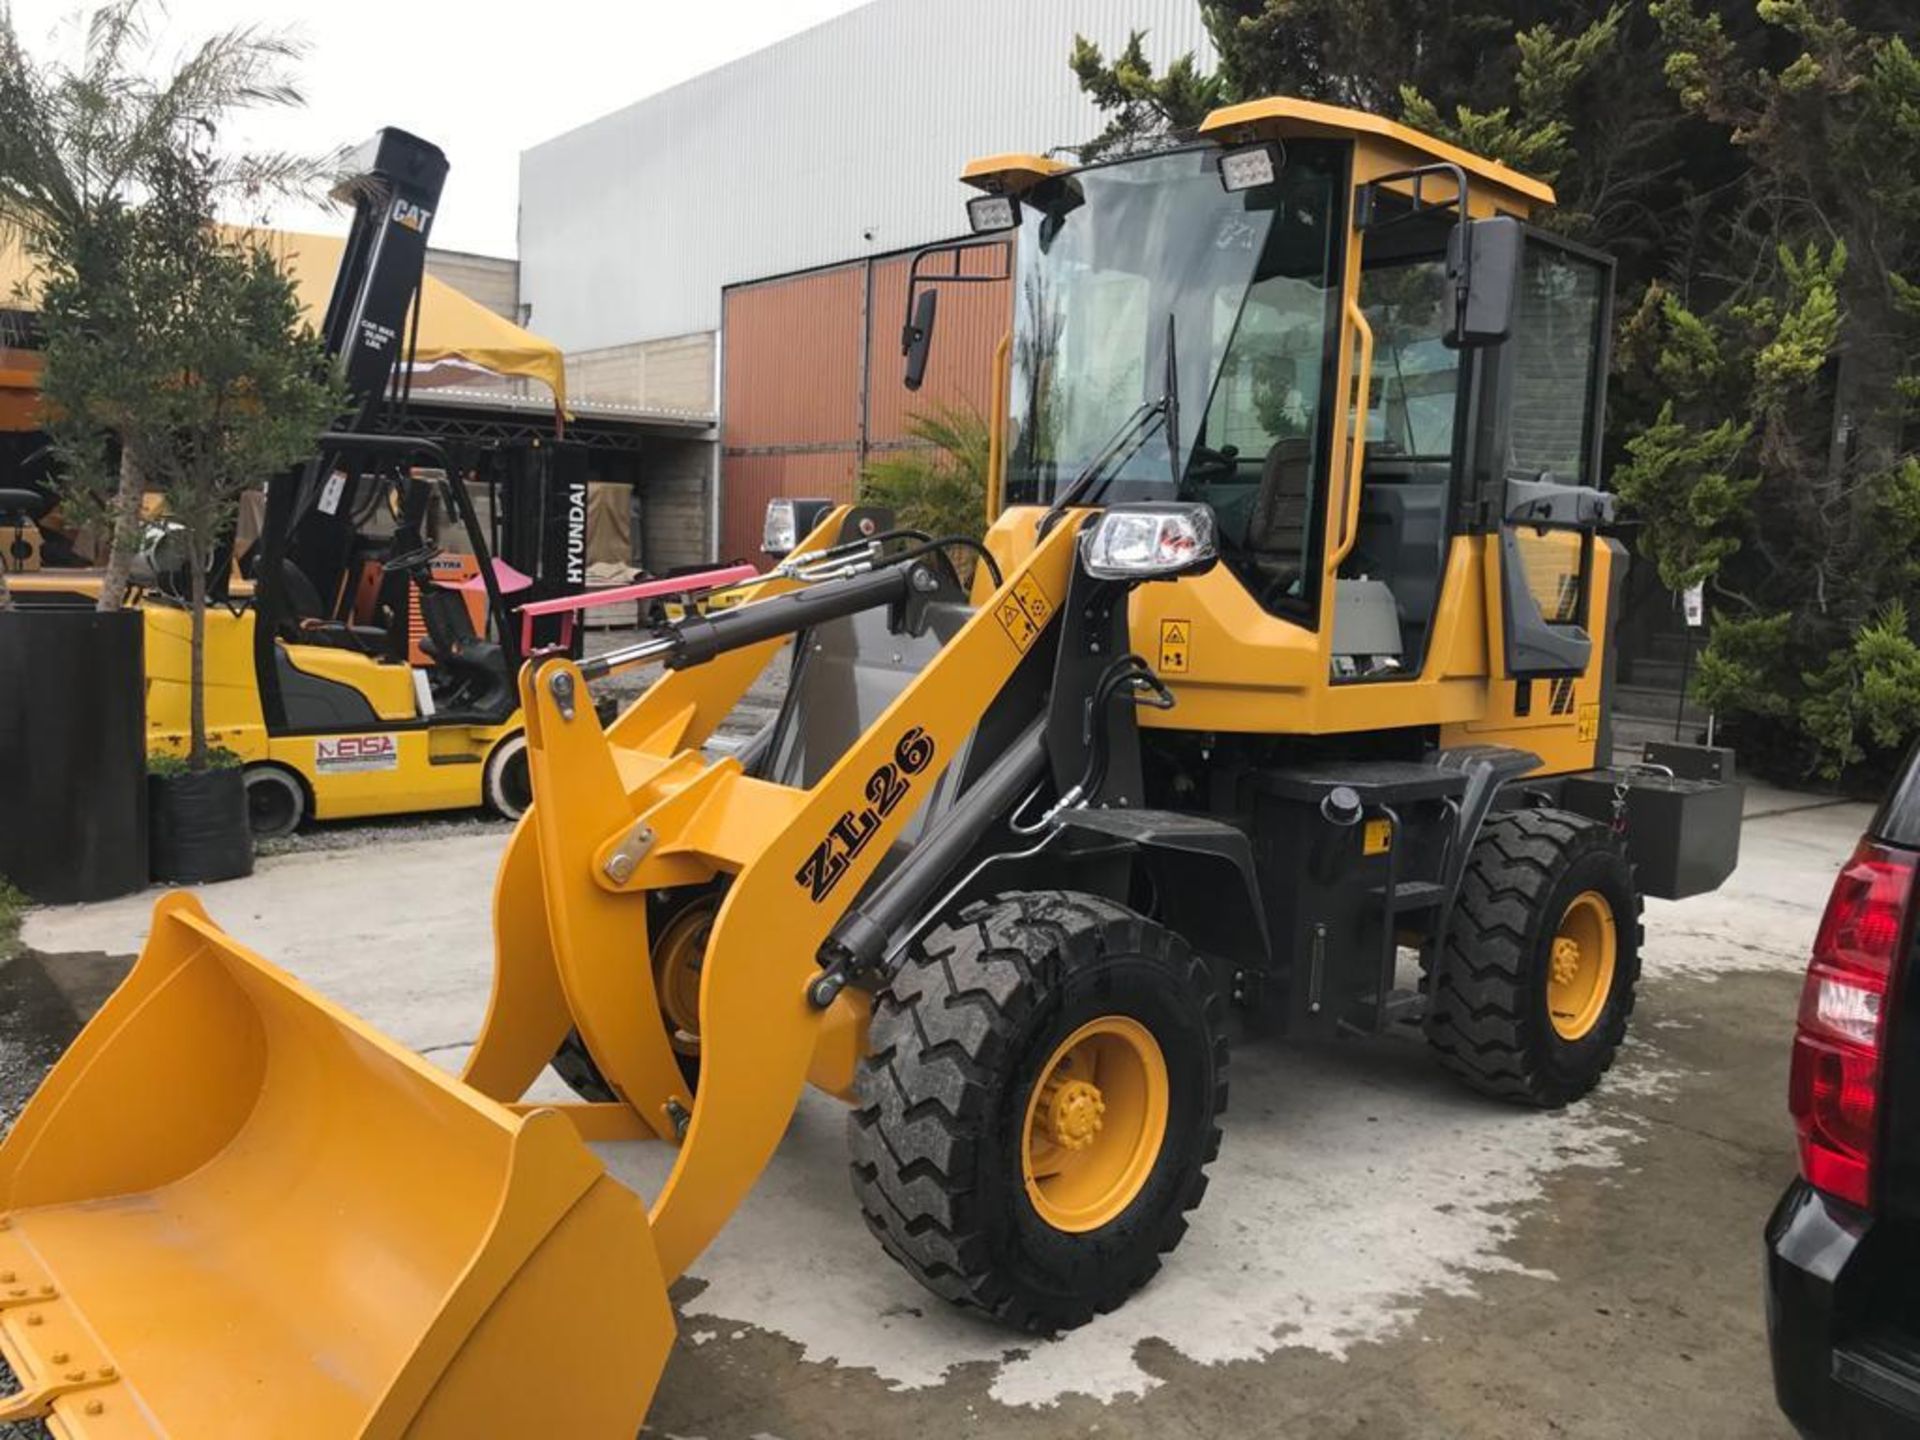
point(811, 381)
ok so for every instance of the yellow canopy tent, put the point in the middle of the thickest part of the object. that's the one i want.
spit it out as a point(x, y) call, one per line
point(459, 337)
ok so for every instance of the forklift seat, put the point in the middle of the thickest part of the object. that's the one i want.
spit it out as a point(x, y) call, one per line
point(480, 665)
point(306, 622)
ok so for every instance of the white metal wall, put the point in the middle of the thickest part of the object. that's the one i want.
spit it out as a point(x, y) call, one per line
point(842, 141)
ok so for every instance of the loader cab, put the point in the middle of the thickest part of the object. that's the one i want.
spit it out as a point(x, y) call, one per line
point(1286, 300)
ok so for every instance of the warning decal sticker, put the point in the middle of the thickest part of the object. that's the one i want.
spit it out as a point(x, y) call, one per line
point(1176, 638)
point(1587, 723)
point(1024, 613)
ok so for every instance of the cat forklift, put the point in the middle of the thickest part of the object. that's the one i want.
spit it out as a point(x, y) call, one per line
point(371, 670)
point(1280, 688)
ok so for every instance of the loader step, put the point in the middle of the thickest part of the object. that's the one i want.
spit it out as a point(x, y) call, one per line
point(1411, 895)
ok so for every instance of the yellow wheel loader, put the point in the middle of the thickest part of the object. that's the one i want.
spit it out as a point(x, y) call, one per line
point(1280, 689)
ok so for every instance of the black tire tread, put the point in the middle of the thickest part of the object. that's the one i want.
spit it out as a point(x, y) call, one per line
point(941, 1031)
point(1479, 1018)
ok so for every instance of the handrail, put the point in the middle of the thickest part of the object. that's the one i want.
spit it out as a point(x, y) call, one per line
point(1357, 443)
point(997, 410)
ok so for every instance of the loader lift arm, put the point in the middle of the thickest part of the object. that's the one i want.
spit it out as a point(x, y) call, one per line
point(616, 821)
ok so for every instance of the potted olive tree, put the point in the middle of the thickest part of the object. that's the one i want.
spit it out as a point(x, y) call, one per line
point(80, 135)
point(244, 394)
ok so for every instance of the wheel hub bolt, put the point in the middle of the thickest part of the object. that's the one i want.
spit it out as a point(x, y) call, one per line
point(1074, 1111)
point(1566, 960)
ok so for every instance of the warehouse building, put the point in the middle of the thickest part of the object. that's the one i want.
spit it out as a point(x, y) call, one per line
point(736, 247)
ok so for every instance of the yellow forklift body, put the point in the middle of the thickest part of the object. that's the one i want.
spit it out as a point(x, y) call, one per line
point(399, 765)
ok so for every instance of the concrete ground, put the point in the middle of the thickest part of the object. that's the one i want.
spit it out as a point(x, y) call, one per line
point(1380, 1254)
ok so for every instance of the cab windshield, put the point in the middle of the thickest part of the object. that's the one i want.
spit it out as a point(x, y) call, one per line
point(1119, 263)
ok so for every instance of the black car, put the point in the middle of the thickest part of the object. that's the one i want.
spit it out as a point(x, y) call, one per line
point(1843, 1246)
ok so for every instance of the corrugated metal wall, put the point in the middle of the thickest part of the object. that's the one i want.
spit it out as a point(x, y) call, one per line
point(811, 383)
point(843, 141)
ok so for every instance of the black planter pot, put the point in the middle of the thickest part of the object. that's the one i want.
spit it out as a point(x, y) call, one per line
point(73, 752)
point(200, 827)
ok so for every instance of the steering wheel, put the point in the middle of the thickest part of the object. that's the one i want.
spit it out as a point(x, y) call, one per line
point(409, 560)
point(1206, 463)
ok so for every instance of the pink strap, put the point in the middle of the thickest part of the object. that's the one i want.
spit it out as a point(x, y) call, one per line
point(570, 605)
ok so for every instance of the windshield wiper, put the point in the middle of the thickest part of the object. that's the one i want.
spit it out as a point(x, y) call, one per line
point(1126, 442)
point(1172, 401)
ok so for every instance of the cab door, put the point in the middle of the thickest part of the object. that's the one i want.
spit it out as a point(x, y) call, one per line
point(1541, 490)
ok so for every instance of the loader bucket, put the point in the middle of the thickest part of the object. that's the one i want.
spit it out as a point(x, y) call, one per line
point(235, 1210)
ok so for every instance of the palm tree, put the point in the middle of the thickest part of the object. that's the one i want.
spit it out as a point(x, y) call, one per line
point(78, 141)
point(939, 482)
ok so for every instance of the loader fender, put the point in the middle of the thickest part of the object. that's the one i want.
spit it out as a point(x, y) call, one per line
point(234, 1210)
point(1204, 879)
point(1489, 770)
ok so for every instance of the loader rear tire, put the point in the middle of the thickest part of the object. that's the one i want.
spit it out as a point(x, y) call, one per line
point(1498, 1018)
point(1043, 1215)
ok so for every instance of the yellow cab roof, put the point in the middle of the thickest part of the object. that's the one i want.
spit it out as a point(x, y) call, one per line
point(1388, 144)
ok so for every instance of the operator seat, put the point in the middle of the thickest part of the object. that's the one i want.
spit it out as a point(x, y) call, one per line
point(479, 666)
point(1277, 527)
point(305, 621)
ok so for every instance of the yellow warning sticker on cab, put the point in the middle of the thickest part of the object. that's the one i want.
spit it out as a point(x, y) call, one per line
point(1587, 722)
point(1176, 640)
point(1024, 613)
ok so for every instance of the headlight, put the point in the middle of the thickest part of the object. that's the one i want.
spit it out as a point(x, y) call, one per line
point(782, 531)
point(1150, 542)
point(1249, 168)
point(988, 213)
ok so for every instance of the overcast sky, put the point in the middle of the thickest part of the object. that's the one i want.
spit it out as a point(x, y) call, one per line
point(482, 80)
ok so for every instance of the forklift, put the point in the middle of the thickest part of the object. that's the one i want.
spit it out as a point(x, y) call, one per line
point(362, 661)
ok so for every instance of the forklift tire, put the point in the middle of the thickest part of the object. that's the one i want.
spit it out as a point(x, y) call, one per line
point(508, 780)
point(1541, 959)
point(276, 801)
point(1038, 1106)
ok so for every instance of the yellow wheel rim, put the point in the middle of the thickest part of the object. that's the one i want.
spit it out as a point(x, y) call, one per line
point(1580, 965)
point(1095, 1122)
point(677, 958)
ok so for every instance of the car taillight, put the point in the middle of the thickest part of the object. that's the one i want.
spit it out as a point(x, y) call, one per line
point(1834, 1092)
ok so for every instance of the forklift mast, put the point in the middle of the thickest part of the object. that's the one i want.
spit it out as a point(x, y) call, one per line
point(393, 183)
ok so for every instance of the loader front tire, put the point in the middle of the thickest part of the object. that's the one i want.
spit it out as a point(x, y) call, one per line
point(1039, 1103)
point(1541, 960)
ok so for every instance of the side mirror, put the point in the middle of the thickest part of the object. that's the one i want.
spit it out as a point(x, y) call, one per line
point(916, 340)
point(1483, 261)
